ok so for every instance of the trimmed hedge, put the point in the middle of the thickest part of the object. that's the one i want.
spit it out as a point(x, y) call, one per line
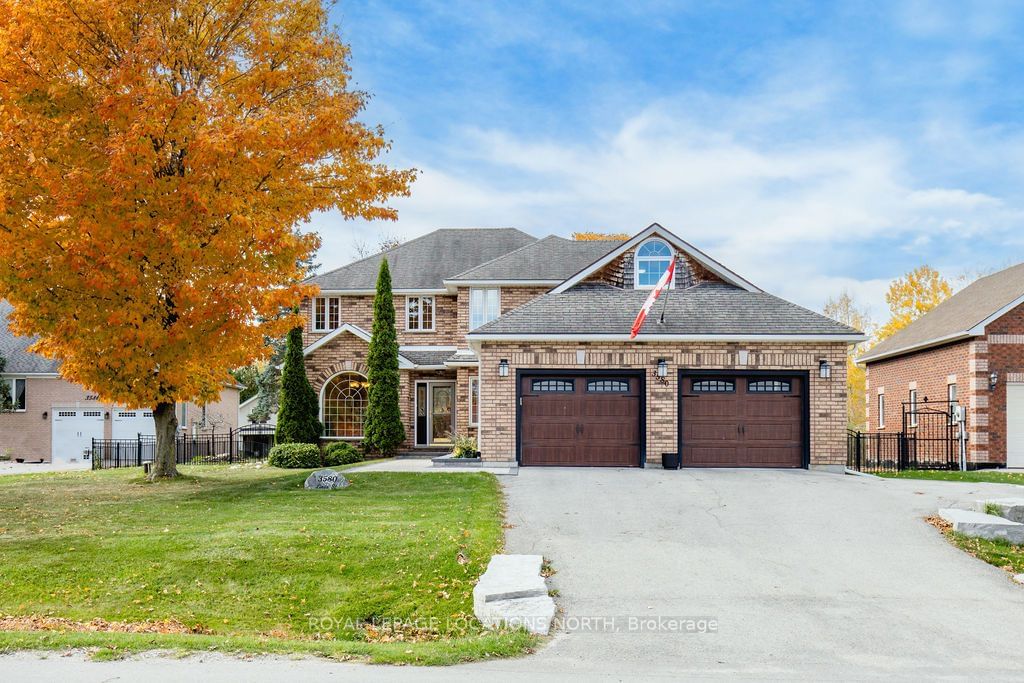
point(294, 456)
point(341, 453)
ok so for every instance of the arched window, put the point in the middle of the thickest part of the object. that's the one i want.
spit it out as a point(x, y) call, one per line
point(651, 262)
point(344, 404)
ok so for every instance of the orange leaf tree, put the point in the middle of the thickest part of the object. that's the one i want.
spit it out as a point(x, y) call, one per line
point(156, 157)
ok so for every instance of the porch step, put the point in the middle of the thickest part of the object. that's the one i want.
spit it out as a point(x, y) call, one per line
point(1010, 508)
point(981, 525)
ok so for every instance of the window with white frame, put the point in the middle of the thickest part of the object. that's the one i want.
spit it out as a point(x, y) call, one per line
point(326, 313)
point(484, 306)
point(419, 313)
point(13, 399)
point(912, 400)
point(474, 401)
point(881, 411)
point(951, 399)
point(652, 260)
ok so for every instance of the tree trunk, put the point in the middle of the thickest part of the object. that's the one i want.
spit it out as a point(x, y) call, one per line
point(166, 430)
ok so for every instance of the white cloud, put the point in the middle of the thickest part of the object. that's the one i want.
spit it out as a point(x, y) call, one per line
point(791, 213)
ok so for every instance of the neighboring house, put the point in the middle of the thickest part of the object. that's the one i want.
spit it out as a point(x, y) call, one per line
point(525, 344)
point(247, 406)
point(55, 420)
point(968, 350)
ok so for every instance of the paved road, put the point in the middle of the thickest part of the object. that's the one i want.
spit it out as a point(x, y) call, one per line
point(807, 575)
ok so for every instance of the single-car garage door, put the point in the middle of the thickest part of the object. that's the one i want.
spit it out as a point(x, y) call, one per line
point(584, 420)
point(742, 421)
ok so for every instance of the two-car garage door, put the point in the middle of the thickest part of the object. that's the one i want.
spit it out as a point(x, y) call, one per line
point(725, 420)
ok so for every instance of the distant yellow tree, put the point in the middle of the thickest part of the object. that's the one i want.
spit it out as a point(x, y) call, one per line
point(844, 309)
point(911, 296)
point(595, 236)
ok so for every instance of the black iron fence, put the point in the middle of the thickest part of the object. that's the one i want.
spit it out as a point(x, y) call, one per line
point(245, 444)
point(930, 440)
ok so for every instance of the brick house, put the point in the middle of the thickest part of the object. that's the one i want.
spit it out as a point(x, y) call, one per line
point(54, 420)
point(968, 350)
point(524, 344)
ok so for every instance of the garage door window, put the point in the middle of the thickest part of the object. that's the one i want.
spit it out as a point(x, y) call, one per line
point(714, 386)
point(769, 386)
point(552, 385)
point(608, 386)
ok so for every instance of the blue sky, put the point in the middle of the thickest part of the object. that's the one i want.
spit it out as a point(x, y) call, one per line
point(810, 146)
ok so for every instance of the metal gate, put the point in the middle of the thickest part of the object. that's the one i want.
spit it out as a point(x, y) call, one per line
point(931, 436)
point(929, 440)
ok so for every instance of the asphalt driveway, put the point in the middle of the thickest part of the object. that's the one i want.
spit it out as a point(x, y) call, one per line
point(806, 575)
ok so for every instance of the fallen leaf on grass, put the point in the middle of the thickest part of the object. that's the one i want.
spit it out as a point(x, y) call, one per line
point(36, 622)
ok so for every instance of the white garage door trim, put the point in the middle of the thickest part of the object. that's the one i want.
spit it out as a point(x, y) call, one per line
point(1015, 424)
point(72, 432)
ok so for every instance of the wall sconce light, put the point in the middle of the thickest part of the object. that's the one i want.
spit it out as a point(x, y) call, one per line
point(662, 367)
point(993, 380)
point(106, 416)
point(824, 369)
point(503, 367)
point(45, 415)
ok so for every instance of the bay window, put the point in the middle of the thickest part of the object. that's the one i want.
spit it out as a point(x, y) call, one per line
point(484, 306)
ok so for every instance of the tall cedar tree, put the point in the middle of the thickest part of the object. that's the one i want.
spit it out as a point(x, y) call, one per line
point(382, 430)
point(298, 407)
point(157, 158)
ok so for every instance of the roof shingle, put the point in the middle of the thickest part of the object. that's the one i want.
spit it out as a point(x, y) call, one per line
point(424, 262)
point(551, 258)
point(15, 349)
point(709, 308)
point(957, 315)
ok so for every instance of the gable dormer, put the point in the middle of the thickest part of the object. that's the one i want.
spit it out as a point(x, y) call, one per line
point(639, 262)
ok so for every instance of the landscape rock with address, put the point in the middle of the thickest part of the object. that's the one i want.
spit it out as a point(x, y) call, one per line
point(326, 480)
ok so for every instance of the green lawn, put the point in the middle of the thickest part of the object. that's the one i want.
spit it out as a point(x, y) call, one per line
point(943, 475)
point(999, 553)
point(253, 562)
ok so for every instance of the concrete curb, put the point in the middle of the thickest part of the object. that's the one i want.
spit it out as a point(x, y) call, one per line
point(513, 593)
point(981, 525)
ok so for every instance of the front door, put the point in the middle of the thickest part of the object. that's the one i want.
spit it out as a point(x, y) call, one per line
point(435, 413)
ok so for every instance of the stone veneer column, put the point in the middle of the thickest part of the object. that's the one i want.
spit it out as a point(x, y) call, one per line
point(977, 402)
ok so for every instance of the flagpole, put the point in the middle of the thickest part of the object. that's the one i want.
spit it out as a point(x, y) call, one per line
point(664, 304)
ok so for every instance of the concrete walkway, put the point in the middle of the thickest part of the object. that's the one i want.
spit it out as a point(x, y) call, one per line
point(424, 465)
point(36, 467)
point(806, 575)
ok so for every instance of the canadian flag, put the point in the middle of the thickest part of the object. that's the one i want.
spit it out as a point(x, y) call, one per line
point(666, 278)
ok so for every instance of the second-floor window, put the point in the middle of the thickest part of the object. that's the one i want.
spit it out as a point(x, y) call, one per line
point(326, 313)
point(484, 306)
point(419, 313)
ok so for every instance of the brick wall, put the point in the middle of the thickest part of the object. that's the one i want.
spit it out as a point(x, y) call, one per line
point(929, 372)
point(968, 364)
point(358, 310)
point(827, 397)
point(1005, 346)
